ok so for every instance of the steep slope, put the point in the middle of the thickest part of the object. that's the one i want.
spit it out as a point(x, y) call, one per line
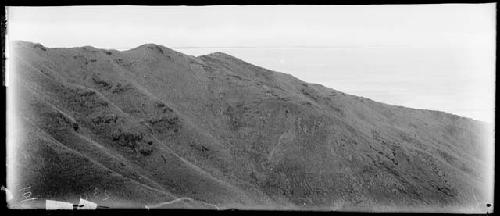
point(151, 126)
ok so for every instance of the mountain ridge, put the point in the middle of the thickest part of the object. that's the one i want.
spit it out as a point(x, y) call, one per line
point(222, 54)
point(239, 135)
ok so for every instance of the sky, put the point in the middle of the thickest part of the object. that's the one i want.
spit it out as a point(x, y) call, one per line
point(439, 57)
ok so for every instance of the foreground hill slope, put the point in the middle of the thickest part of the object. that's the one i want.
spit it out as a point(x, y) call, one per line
point(152, 126)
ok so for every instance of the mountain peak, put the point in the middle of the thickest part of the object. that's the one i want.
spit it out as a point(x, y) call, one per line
point(29, 44)
point(151, 45)
point(155, 48)
point(220, 54)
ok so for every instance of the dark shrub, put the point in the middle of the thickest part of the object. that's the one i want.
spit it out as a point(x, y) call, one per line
point(75, 126)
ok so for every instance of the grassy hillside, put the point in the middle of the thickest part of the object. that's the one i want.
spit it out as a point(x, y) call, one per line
point(152, 126)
